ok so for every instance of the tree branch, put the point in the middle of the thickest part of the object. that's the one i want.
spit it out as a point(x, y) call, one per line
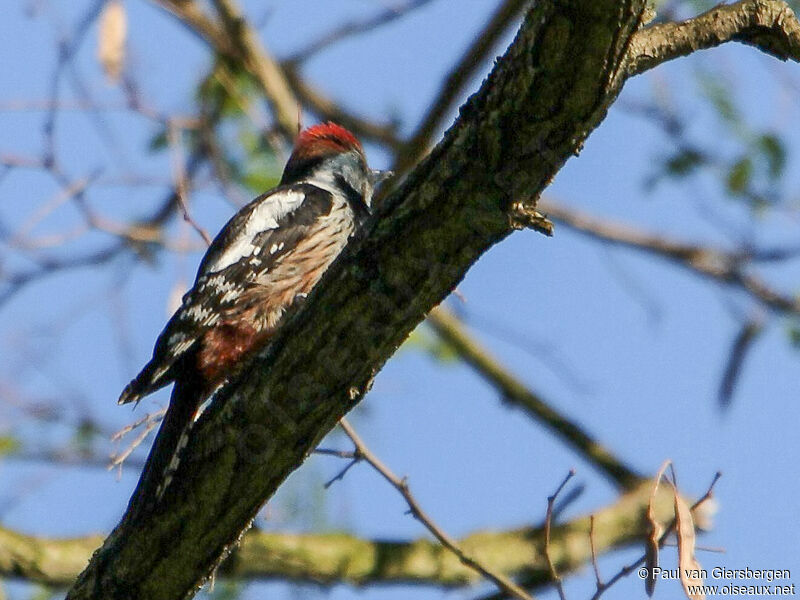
point(548, 527)
point(769, 25)
point(275, 79)
point(233, 37)
point(401, 485)
point(552, 88)
point(721, 265)
point(353, 28)
point(453, 85)
point(385, 133)
point(335, 558)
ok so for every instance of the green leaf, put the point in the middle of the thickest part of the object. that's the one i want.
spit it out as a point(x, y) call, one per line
point(259, 181)
point(84, 436)
point(775, 154)
point(253, 143)
point(260, 170)
point(427, 341)
point(684, 162)
point(794, 335)
point(739, 176)
point(718, 91)
point(8, 445)
point(229, 87)
point(158, 142)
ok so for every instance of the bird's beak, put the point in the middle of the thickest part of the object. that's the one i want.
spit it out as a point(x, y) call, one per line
point(377, 177)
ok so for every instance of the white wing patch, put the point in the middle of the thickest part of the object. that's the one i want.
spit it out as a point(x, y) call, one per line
point(201, 314)
point(179, 344)
point(219, 284)
point(265, 216)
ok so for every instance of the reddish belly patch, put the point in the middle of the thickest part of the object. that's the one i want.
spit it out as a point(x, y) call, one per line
point(223, 348)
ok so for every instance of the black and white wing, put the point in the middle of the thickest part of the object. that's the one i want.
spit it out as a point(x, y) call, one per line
point(250, 244)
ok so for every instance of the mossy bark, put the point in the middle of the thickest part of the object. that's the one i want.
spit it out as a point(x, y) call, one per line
point(336, 558)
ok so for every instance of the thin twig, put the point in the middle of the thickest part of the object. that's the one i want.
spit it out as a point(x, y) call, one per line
point(453, 85)
point(726, 267)
point(338, 453)
point(628, 569)
point(384, 133)
point(274, 79)
point(182, 181)
point(340, 475)
point(548, 523)
point(67, 48)
point(401, 485)
point(149, 422)
point(595, 566)
point(65, 194)
point(257, 59)
point(742, 344)
point(353, 28)
point(15, 282)
point(70, 457)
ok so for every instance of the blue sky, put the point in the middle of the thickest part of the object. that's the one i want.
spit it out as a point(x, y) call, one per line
point(646, 341)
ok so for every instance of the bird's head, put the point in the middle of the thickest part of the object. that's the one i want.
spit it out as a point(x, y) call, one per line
point(330, 156)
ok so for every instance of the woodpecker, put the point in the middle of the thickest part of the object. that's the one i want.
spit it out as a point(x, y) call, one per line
point(269, 255)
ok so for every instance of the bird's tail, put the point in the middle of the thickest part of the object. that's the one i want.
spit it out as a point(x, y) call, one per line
point(187, 397)
point(154, 376)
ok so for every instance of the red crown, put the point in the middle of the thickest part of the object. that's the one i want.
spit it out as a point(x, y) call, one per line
point(325, 138)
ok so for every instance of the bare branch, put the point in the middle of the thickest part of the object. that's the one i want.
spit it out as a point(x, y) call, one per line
point(262, 65)
point(525, 217)
point(726, 267)
point(273, 78)
point(132, 237)
point(385, 133)
point(66, 51)
point(182, 181)
point(148, 422)
point(353, 28)
point(548, 524)
point(68, 457)
point(68, 192)
point(453, 85)
point(235, 38)
point(628, 569)
point(15, 282)
point(191, 15)
point(331, 559)
point(769, 25)
point(401, 485)
point(597, 578)
point(741, 346)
